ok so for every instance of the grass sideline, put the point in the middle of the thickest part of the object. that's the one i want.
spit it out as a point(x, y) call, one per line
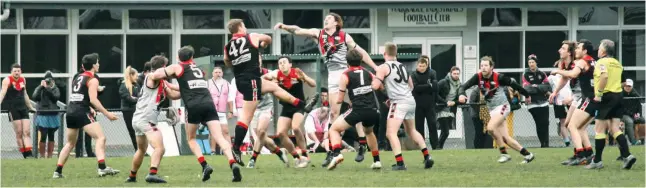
point(452, 168)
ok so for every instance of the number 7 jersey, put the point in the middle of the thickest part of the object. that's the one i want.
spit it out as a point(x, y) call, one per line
point(396, 84)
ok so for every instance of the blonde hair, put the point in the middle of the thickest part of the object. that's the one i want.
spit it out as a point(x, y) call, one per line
point(127, 78)
point(391, 49)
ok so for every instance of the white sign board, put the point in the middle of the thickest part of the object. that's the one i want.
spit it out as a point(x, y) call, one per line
point(427, 17)
point(470, 67)
point(470, 51)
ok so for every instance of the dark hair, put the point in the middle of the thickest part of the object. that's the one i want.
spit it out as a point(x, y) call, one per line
point(422, 60)
point(454, 68)
point(338, 19)
point(587, 46)
point(158, 61)
point(488, 59)
point(289, 59)
point(15, 66)
point(424, 56)
point(532, 57)
point(354, 57)
point(234, 25)
point(147, 66)
point(324, 89)
point(571, 45)
point(185, 53)
point(89, 60)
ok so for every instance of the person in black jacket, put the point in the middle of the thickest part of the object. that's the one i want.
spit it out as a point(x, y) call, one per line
point(128, 93)
point(537, 84)
point(447, 94)
point(46, 95)
point(632, 115)
point(424, 92)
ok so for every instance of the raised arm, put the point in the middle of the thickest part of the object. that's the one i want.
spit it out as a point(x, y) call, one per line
point(294, 29)
point(365, 56)
point(260, 40)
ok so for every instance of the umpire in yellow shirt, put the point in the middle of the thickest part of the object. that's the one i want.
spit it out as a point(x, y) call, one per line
point(607, 86)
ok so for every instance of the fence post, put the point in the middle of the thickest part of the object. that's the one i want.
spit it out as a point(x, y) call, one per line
point(185, 149)
point(318, 78)
point(34, 138)
point(61, 133)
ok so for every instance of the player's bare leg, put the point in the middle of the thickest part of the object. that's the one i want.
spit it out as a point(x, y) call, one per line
point(284, 123)
point(156, 142)
point(503, 131)
point(23, 137)
point(577, 127)
point(96, 132)
point(392, 127)
point(493, 128)
point(138, 158)
point(409, 127)
point(335, 110)
point(371, 140)
point(191, 130)
point(244, 118)
point(297, 121)
point(72, 134)
point(215, 129)
point(338, 126)
point(263, 140)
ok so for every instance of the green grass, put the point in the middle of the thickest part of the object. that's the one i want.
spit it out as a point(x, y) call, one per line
point(452, 168)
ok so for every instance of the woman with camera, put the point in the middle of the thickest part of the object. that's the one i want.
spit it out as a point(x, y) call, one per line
point(47, 116)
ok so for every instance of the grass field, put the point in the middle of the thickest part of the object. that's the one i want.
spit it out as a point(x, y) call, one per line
point(452, 168)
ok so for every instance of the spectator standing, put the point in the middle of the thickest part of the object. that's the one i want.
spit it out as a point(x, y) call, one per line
point(447, 94)
point(537, 84)
point(46, 95)
point(424, 92)
point(128, 92)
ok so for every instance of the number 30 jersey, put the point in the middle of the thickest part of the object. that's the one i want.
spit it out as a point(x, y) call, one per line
point(359, 88)
point(192, 85)
point(396, 83)
point(244, 56)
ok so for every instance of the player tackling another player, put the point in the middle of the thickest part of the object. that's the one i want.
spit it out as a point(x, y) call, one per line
point(393, 77)
point(490, 84)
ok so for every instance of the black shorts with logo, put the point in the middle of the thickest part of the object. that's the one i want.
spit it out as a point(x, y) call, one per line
point(588, 105)
point(289, 111)
point(368, 117)
point(18, 114)
point(201, 113)
point(78, 121)
point(560, 111)
point(609, 107)
point(250, 87)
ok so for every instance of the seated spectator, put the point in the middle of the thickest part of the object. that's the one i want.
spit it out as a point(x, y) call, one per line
point(632, 117)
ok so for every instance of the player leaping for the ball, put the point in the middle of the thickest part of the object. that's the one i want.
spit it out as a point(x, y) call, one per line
point(392, 75)
point(242, 52)
point(199, 108)
point(334, 44)
point(356, 82)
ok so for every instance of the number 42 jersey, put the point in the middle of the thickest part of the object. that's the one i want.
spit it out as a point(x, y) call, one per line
point(396, 83)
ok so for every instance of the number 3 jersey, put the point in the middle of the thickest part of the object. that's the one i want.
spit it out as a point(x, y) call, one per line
point(244, 56)
point(359, 88)
point(396, 84)
point(192, 85)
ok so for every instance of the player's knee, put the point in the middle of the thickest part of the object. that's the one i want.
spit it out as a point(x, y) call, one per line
point(100, 139)
point(599, 136)
point(19, 134)
point(26, 133)
point(282, 134)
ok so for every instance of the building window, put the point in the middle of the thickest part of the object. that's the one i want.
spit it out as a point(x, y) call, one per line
point(634, 16)
point(254, 19)
point(108, 47)
point(45, 19)
point(503, 47)
point(205, 45)
point(638, 78)
point(110, 98)
point(266, 50)
point(140, 48)
point(632, 48)
point(354, 18)
point(39, 50)
point(292, 44)
point(545, 45)
point(61, 83)
point(100, 19)
point(363, 40)
point(149, 19)
point(409, 48)
point(492, 17)
point(8, 57)
point(203, 19)
point(303, 18)
point(547, 16)
point(10, 23)
point(598, 16)
point(595, 36)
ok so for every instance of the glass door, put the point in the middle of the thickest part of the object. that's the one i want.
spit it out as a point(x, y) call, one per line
point(443, 53)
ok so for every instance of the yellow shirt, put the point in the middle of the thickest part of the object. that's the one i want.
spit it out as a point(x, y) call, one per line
point(613, 69)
